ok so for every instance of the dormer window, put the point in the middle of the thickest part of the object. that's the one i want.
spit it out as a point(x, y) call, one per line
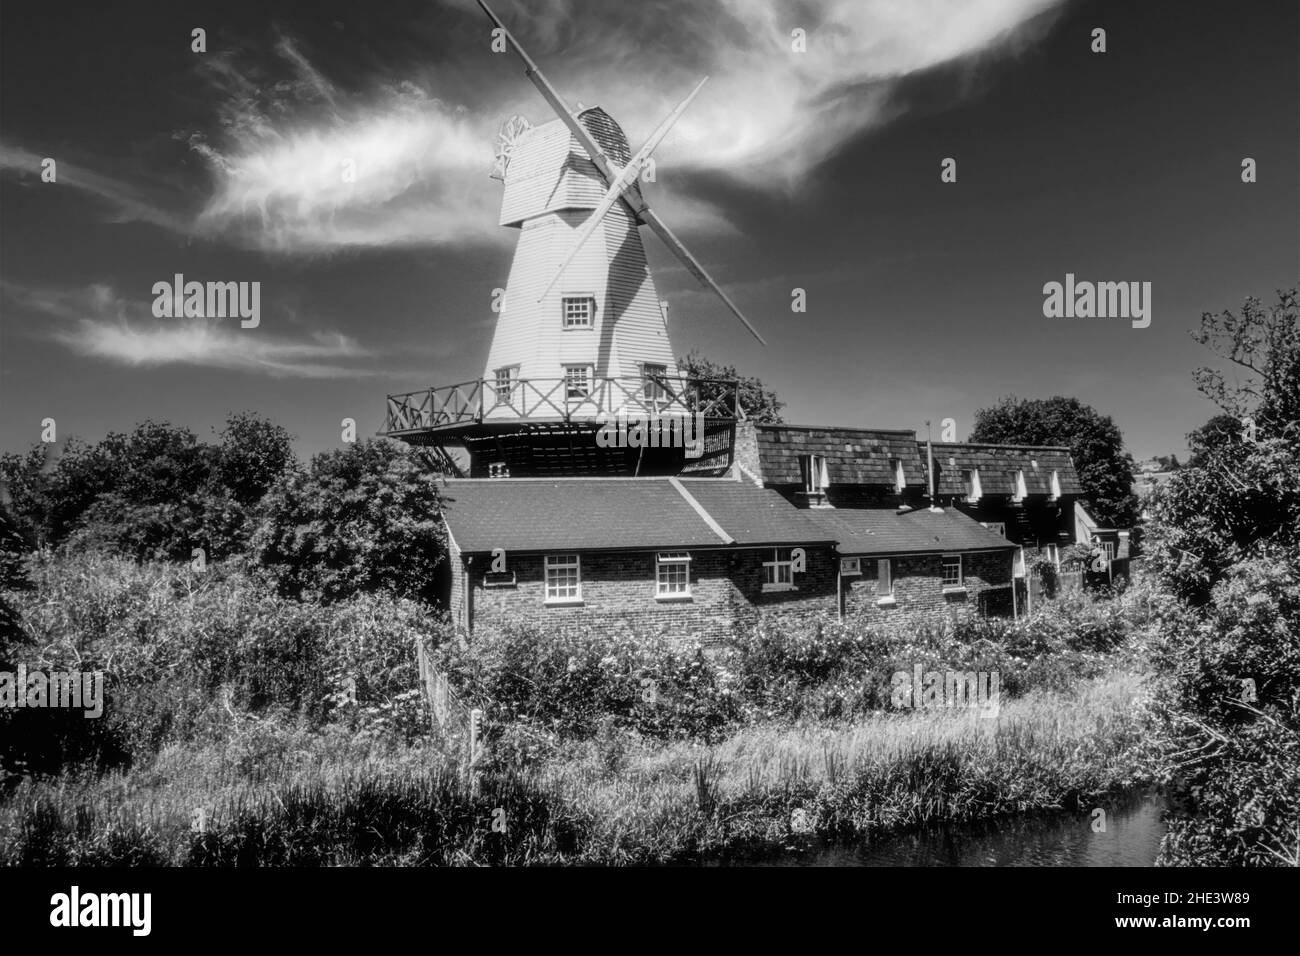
point(1017, 485)
point(900, 480)
point(1056, 485)
point(970, 479)
point(579, 310)
point(815, 477)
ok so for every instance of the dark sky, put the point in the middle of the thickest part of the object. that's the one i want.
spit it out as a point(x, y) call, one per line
point(817, 170)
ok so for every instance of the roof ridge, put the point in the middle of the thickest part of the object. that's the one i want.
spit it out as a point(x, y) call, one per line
point(700, 510)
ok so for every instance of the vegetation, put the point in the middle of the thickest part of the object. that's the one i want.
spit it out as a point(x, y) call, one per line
point(1095, 443)
point(759, 403)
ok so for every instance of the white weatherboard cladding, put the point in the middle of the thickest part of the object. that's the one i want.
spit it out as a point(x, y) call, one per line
point(550, 187)
point(628, 327)
point(549, 170)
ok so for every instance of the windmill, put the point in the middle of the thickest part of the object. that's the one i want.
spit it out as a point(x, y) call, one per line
point(579, 291)
point(580, 335)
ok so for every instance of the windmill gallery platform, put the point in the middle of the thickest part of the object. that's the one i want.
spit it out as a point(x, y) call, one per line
point(549, 525)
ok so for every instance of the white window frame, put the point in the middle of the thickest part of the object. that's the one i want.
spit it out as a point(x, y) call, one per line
point(816, 478)
point(900, 479)
point(779, 569)
point(850, 567)
point(563, 563)
point(498, 469)
point(570, 319)
point(1018, 490)
point(665, 563)
point(589, 375)
point(884, 581)
point(511, 383)
point(652, 391)
point(960, 584)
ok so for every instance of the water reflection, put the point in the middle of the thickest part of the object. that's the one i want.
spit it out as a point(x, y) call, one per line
point(1132, 838)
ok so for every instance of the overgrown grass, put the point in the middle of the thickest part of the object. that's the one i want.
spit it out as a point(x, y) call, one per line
point(322, 799)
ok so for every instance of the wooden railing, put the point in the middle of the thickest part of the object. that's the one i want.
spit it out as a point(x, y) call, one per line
point(482, 400)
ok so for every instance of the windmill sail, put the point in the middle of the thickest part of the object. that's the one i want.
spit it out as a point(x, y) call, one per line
point(621, 181)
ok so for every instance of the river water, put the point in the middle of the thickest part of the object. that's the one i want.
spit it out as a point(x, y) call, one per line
point(1131, 838)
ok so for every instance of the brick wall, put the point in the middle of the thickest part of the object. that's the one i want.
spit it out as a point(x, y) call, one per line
point(919, 592)
point(618, 593)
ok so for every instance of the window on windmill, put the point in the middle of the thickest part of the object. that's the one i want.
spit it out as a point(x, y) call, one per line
point(816, 479)
point(652, 382)
point(505, 384)
point(952, 570)
point(578, 311)
point(672, 574)
point(563, 578)
point(577, 381)
point(896, 468)
point(778, 574)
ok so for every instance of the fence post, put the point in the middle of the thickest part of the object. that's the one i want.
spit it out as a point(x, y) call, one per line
point(475, 748)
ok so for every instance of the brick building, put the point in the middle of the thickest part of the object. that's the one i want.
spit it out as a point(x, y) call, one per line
point(547, 523)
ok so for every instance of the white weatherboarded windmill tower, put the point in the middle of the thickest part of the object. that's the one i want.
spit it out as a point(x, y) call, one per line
point(580, 334)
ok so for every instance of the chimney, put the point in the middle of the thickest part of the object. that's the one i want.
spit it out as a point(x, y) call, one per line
point(929, 470)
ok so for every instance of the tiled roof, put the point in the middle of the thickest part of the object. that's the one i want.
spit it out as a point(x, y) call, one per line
point(753, 515)
point(995, 462)
point(527, 514)
point(885, 531)
point(854, 456)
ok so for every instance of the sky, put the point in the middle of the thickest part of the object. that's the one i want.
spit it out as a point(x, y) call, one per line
point(817, 170)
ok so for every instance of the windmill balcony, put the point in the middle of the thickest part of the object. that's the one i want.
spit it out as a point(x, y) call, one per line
point(482, 401)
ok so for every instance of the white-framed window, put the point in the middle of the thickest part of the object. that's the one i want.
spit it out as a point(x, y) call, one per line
point(498, 469)
point(900, 480)
point(850, 567)
point(672, 574)
point(506, 379)
point(952, 577)
point(1106, 546)
point(563, 578)
point(1017, 485)
point(1056, 485)
point(816, 479)
point(578, 311)
point(997, 527)
point(577, 381)
point(778, 573)
point(970, 478)
point(884, 579)
point(652, 388)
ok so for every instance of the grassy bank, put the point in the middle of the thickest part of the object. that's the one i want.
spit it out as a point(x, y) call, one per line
point(275, 796)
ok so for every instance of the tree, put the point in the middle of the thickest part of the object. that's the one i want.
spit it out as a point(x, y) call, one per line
point(1095, 443)
point(1225, 541)
point(757, 402)
point(1219, 430)
point(361, 519)
point(252, 453)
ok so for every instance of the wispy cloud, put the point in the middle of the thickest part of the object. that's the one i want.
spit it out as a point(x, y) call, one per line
point(97, 322)
point(300, 163)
